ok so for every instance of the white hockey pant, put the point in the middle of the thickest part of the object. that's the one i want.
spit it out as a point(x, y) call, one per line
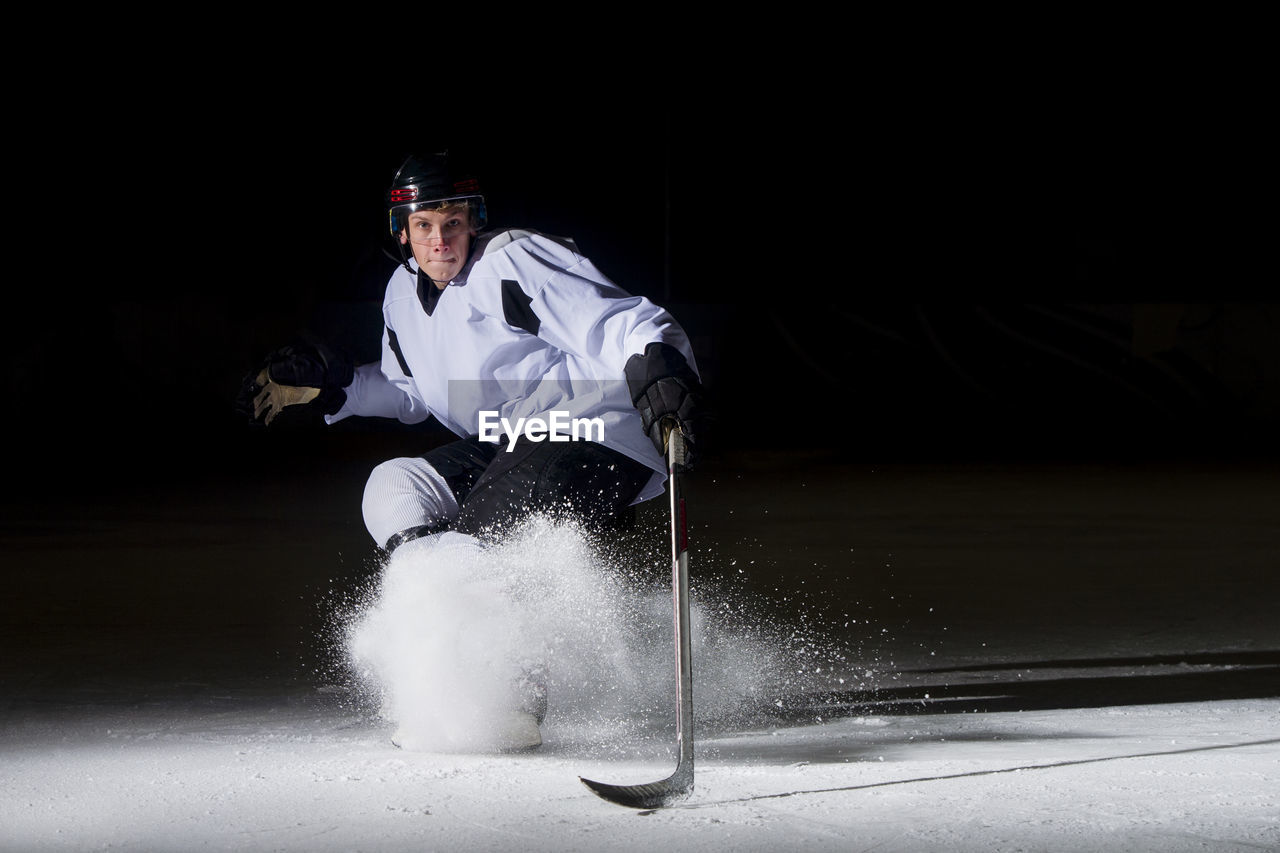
point(404, 493)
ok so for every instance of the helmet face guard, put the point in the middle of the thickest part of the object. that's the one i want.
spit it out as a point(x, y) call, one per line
point(424, 182)
point(398, 216)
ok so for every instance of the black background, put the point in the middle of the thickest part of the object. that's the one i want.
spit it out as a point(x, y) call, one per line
point(919, 263)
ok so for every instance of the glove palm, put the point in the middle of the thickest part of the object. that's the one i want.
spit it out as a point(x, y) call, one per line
point(298, 375)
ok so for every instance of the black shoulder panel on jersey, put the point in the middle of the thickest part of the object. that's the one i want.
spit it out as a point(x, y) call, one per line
point(517, 307)
point(394, 343)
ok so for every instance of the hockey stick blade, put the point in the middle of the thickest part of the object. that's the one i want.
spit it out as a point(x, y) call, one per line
point(652, 795)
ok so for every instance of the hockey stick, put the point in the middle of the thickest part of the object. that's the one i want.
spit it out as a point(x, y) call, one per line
point(679, 784)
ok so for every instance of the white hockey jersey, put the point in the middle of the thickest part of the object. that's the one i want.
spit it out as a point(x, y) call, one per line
point(530, 327)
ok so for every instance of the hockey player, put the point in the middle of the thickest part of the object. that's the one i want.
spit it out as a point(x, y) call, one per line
point(486, 328)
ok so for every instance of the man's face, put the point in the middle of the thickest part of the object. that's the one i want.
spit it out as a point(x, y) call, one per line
point(440, 240)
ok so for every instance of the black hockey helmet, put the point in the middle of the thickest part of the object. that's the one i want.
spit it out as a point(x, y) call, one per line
point(424, 181)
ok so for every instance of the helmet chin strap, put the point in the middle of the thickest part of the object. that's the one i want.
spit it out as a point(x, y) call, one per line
point(403, 260)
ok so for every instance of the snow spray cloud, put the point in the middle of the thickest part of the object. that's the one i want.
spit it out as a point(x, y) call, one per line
point(444, 641)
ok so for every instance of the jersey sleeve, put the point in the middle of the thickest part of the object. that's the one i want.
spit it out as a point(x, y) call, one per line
point(581, 311)
point(383, 389)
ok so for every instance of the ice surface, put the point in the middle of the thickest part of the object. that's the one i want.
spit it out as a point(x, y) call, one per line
point(1196, 776)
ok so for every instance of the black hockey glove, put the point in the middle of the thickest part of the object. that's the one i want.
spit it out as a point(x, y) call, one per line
point(302, 374)
point(663, 385)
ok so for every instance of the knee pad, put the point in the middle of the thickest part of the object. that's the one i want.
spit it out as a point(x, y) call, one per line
point(406, 493)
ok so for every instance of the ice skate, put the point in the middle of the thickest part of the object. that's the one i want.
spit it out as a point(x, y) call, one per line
point(520, 730)
point(532, 690)
point(517, 731)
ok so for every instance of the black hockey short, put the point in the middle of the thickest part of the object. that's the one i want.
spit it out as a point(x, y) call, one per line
point(580, 480)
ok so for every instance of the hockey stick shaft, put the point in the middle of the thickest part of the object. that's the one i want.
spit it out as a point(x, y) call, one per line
point(680, 601)
point(679, 784)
